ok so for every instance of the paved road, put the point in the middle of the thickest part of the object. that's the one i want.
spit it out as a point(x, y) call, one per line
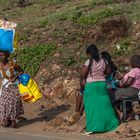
point(16, 135)
point(25, 136)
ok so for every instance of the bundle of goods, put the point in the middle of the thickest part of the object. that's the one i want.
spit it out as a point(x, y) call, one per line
point(8, 36)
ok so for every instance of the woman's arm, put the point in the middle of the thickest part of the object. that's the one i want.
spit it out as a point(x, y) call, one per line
point(119, 75)
point(83, 75)
point(107, 67)
point(0, 81)
point(19, 71)
point(129, 81)
point(107, 70)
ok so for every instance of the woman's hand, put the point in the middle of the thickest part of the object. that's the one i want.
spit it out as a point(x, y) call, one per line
point(83, 83)
point(120, 84)
point(129, 81)
point(119, 75)
point(12, 79)
point(83, 76)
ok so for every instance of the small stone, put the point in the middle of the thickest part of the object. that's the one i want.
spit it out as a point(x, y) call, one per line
point(45, 116)
point(47, 90)
point(65, 82)
point(58, 87)
point(57, 55)
point(121, 128)
point(58, 121)
point(118, 47)
point(42, 106)
point(126, 68)
point(56, 67)
point(66, 130)
point(43, 70)
point(78, 53)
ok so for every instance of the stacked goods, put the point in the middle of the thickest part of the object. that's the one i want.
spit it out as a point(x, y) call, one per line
point(8, 36)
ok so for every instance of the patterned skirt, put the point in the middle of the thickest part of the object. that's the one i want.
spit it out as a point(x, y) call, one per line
point(10, 104)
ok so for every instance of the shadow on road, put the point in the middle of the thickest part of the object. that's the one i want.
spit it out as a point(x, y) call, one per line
point(46, 115)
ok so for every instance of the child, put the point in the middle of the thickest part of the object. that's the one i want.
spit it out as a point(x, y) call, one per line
point(130, 86)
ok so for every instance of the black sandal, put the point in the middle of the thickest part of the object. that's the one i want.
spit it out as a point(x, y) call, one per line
point(8, 124)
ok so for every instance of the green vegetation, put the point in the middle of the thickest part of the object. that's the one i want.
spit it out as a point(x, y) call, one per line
point(53, 2)
point(69, 61)
point(123, 48)
point(133, 11)
point(102, 2)
point(120, 50)
point(4, 4)
point(94, 18)
point(65, 22)
point(75, 14)
point(30, 58)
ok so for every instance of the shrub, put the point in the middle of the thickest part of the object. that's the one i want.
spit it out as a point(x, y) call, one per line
point(30, 58)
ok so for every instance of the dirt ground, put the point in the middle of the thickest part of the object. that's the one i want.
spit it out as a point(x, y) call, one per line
point(50, 116)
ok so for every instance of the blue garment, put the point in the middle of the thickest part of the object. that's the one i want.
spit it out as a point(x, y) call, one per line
point(81, 92)
point(111, 82)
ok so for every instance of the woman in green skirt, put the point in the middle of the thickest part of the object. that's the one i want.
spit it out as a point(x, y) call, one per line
point(100, 115)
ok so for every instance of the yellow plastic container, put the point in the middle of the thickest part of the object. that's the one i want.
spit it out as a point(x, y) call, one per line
point(31, 92)
point(16, 37)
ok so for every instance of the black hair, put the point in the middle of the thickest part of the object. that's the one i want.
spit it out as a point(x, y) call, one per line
point(5, 19)
point(92, 50)
point(6, 53)
point(107, 57)
point(135, 61)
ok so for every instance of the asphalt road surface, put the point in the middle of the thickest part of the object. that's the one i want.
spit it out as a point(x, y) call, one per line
point(16, 135)
point(24, 136)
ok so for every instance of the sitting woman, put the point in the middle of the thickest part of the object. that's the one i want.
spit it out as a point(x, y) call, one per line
point(100, 115)
point(107, 57)
point(110, 78)
point(130, 86)
point(10, 102)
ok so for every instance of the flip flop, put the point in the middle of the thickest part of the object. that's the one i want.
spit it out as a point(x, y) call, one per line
point(83, 129)
point(87, 133)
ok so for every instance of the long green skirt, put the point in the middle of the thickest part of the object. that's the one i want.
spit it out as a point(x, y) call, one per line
point(100, 115)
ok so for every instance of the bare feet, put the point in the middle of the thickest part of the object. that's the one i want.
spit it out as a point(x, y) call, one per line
point(130, 117)
point(74, 118)
point(13, 124)
point(120, 116)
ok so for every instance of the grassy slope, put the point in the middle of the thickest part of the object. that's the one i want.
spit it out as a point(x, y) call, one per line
point(65, 23)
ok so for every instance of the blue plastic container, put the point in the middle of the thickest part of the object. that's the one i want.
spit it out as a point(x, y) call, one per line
point(24, 79)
